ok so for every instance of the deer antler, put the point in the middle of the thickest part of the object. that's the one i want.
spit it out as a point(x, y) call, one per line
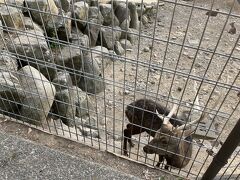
point(168, 117)
point(204, 114)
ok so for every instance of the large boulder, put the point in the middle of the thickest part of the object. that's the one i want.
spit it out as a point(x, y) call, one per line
point(30, 44)
point(118, 48)
point(95, 13)
point(61, 25)
point(10, 88)
point(11, 17)
point(42, 10)
point(108, 15)
point(39, 95)
point(80, 39)
point(80, 12)
point(82, 103)
point(91, 79)
point(109, 36)
point(121, 11)
point(63, 4)
point(126, 44)
point(101, 55)
point(64, 105)
point(131, 34)
point(17, 3)
point(30, 25)
point(94, 22)
point(70, 59)
point(92, 30)
point(8, 62)
point(125, 24)
point(31, 48)
point(134, 23)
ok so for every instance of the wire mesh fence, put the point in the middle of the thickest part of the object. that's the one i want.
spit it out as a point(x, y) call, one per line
point(97, 71)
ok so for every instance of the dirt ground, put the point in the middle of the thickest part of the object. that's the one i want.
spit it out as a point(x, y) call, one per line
point(141, 75)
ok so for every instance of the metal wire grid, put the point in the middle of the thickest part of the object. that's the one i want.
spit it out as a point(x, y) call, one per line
point(112, 146)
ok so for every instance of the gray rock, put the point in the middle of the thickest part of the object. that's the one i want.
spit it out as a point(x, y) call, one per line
point(34, 45)
point(82, 102)
point(93, 27)
point(11, 17)
point(30, 25)
point(48, 7)
point(118, 48)
point(62, 81)
point(109, 36)
point(132, 35)
point(108, 15)
point(88, 126)
point(193, 41)
point(134, 23)
point(125, 25)
point(8, 62)
point(80, 39)
point(34, 51)
point(65, 5)
point(85, 1)
point(18, 3)
point(92, 30)
point(61, 25)
point(141, 8)
point(121, 11)
point(81, 13)
point(89, 122)
point(10, 88)
point(94, 3)
point(89, 132)
point(101, 56)
point(64, 104)
point(39, 95)
point(146, 49)
point(91, 80)
point(94, 13)
point(126, 44)
point(70, 59)
point(144, 20)
point(113, 55)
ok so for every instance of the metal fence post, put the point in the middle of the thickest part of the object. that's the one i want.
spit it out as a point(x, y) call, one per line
point(224, 153)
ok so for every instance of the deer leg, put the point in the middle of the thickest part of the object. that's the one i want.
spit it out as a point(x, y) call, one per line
point(127, 134)
point(166, 167)
point(131, 130)
point(169, 162)
point(160, 160)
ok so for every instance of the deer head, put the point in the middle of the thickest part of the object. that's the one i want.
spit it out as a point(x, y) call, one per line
point(175, 142)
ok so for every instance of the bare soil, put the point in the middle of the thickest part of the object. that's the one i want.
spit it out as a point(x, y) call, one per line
point(140, 75)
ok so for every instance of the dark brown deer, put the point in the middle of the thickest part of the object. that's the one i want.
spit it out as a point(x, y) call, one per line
point(174, 143)
point(142, 117)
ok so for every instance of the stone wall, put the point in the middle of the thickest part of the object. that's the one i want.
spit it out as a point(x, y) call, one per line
point(53, 53)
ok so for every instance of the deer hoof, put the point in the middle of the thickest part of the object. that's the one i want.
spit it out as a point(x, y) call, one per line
point(166, 167)
point(132, 144)
point(158, 164)
point(125, 153)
